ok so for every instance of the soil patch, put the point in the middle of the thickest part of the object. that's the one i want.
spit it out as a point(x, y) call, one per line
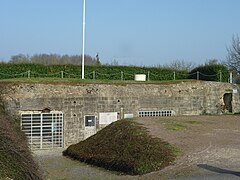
point(208, 140)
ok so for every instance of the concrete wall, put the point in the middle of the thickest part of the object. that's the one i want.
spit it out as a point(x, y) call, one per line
point(77, 101)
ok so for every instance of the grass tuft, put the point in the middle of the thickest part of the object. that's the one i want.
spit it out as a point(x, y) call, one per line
point(176, 126)
point(124, 146)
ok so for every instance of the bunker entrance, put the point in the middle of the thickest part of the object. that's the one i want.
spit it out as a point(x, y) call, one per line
point(43, 130)
point(227, 98)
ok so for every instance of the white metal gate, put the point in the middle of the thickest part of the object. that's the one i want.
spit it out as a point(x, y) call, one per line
point(43, 130)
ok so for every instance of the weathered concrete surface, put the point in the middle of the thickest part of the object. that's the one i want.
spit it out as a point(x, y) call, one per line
point(77, 101)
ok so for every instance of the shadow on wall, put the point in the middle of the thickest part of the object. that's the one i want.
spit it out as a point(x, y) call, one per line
point(218, 170)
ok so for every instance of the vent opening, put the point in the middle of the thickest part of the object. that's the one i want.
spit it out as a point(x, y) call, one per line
point(156, 113)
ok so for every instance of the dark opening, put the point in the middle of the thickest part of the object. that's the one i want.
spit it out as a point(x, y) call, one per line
point(90, 120)
point(227, 98)
point(46, 110)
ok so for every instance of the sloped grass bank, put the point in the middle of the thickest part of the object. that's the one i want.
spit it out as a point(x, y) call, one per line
point(124, 146)
point(16, 161)
point(104, 72)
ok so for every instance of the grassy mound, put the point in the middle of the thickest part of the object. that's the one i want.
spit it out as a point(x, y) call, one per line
point(16, 161)
point(124, 146)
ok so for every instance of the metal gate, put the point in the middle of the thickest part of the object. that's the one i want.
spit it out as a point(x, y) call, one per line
point(43, 130)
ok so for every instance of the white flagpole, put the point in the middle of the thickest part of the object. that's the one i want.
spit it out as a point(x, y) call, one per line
point(83, 38)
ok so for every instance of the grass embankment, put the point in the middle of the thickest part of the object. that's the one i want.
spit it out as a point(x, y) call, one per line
point(124, 146)
point(76, 81)
point(16, 161)
point(103, 72)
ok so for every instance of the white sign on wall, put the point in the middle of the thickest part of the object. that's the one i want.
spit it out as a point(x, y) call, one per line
point(107, 117)
point(235, 91)
point(127, 116)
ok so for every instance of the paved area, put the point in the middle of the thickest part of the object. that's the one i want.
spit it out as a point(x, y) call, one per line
point(55, 166)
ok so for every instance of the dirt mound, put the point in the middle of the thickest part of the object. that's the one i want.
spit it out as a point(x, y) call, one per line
point(124, 146)
point(16, 161)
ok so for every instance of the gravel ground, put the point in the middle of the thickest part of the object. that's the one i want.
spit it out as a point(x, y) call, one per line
point(55, 166)
point(210, 146)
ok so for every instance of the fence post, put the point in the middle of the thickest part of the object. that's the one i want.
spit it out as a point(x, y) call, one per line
point(197, 75)
point(94, 75)
point(231, 77)
point(220, 76)
point(121, 75)
point(174, 75)
point(62, 74)
point(28, 73)
point(148, 75)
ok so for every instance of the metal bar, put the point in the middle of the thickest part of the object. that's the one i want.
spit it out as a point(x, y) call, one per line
point(62, 74)
point(83, 38)
point(53, 123)
point(41, 131)
point(220, 72)
point(62, 130)
point(231, 77)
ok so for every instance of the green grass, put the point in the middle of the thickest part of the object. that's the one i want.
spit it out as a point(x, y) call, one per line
point(124, 146)
point(175, 125)
point(192, 122)
point(75, 81)
point(101, 72)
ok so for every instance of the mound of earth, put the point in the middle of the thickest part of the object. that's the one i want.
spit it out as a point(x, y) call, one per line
point(124, 146)
point(16, 161)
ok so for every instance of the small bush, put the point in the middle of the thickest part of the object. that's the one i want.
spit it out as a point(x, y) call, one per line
point(124, 146)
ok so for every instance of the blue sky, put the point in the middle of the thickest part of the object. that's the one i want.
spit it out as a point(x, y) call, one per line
point(132, 32)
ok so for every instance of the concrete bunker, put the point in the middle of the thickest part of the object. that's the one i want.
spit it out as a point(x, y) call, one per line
point(78, 114)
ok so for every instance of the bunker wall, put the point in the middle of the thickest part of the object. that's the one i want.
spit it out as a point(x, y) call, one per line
point(78, 101)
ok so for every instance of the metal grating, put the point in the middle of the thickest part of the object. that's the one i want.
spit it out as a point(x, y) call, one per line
point(43, 130)
point(155, 113)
